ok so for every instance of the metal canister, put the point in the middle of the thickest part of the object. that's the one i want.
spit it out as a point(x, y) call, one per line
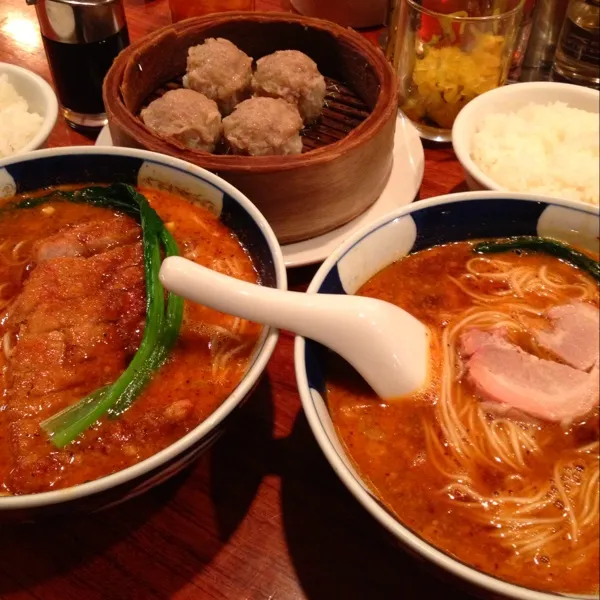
point(81, 39)
point(548, 17)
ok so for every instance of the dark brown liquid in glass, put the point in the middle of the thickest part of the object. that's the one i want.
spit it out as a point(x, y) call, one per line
point(78, 70)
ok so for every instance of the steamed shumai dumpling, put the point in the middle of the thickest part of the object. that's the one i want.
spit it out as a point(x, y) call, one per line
point(219, 70)
point(293, 76)
point(187, 116)
point(264, 126)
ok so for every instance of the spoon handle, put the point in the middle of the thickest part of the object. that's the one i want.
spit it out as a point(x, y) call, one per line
point(384, 343)
point(308, 315)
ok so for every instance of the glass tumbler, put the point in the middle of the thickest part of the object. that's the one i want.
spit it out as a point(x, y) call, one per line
point(184, 9)
point(447, 52)
point(81, 40)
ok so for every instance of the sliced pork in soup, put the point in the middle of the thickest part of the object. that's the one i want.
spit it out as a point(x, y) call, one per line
point(74, 304)
point(514, 379)
point(574, 335)
point(496, 463)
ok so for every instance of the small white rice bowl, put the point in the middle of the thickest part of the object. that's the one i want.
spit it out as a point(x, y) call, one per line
point(18, 126)
point(28, 110)
point(538, 137)
point(551, 149)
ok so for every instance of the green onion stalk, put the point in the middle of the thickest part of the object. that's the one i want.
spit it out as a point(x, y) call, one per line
point(531, 243)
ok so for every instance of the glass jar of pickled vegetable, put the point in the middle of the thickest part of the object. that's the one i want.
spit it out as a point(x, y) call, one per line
point(447, 52)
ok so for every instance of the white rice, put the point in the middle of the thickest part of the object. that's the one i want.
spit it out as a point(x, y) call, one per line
point(18, 126)
point(547, 149)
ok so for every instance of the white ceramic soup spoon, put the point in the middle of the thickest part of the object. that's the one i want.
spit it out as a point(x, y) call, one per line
point(385, 344)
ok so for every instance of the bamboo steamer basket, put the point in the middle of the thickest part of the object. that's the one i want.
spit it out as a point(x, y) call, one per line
point(347, 154)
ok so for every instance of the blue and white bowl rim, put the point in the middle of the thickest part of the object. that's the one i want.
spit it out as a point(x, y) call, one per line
point(205, 429)
point(310, 375)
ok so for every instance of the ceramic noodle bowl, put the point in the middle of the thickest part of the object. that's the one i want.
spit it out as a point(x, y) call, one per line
point(195, 196)
point(412, 463)
point(347, 153)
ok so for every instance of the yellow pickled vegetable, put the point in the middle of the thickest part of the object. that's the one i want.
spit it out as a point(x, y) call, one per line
point(446, 78)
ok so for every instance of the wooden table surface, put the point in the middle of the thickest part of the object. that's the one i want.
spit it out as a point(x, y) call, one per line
point(261, 515)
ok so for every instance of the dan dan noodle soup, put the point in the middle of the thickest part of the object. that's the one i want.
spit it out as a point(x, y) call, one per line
point(496, 462)
point(73, 304)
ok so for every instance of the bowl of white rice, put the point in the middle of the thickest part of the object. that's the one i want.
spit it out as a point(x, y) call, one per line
point(538, 138)
point(28, 110)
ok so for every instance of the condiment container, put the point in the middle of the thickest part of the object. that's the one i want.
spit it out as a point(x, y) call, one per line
point(577, 58)
point(548, 17)
point(81, 39)
point(448, 52)
point(523, 35)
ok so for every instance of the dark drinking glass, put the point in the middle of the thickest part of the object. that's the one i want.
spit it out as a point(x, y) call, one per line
point(81, 40)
